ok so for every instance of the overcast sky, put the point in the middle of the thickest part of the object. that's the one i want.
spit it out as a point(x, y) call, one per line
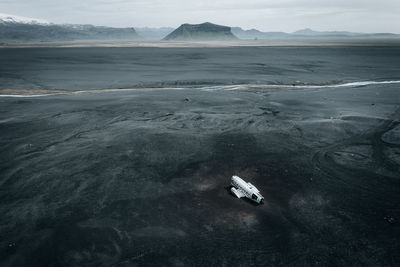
point(266, 15)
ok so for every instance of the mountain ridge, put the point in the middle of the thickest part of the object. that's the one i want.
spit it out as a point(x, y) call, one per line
point(18, 29)
point(307, 33)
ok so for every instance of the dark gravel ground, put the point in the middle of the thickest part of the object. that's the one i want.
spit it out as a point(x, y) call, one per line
point(119, 67)
point(140, 178)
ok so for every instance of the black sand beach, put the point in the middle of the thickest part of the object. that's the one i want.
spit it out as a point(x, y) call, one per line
point(88, 68)
point(140, 177)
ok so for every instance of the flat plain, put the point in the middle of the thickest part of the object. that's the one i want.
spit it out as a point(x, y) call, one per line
point(140, 176)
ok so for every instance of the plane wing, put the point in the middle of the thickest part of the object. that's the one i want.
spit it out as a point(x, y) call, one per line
point(237, 192)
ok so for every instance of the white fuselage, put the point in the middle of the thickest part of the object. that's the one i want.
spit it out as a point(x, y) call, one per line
point(242, 189)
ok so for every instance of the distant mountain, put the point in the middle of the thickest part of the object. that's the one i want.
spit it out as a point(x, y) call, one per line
point(15, 29)
point(306, 31)
point(201, 32)
point(308, 34)
point(256, 34)
point(153, 33)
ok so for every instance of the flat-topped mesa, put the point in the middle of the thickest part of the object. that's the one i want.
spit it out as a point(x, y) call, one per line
point(201, 32)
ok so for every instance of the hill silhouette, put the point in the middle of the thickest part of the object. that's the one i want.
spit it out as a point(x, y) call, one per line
point(201, 32)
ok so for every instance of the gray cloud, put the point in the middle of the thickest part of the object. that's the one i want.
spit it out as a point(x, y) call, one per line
point(277, 15)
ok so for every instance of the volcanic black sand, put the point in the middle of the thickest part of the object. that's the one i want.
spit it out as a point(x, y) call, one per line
point(127, 67)
point(141, 177)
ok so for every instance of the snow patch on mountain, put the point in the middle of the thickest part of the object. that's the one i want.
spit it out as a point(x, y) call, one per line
point(6, 18)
